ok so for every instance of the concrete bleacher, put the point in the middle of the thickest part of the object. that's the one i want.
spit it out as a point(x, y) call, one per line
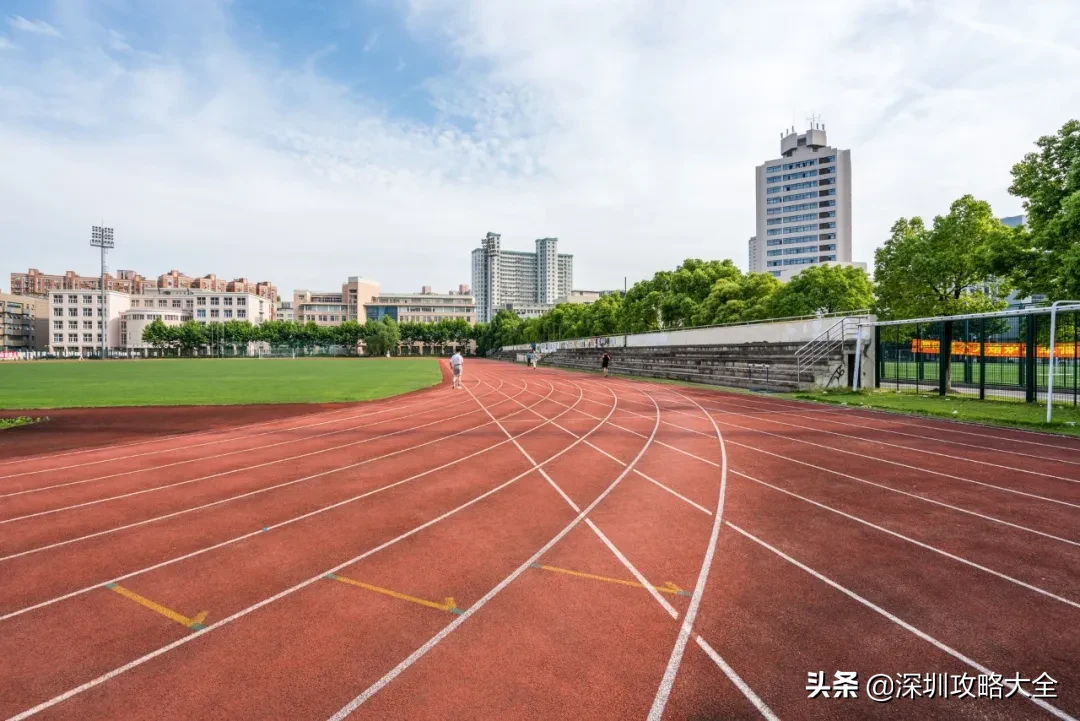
point(756, 366)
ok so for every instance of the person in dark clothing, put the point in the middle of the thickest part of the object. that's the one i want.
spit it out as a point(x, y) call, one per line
point(605, 361)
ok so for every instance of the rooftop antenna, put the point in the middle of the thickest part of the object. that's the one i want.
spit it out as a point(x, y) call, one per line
point(812, 120)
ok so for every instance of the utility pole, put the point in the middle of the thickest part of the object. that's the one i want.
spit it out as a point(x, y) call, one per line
point(102, 237)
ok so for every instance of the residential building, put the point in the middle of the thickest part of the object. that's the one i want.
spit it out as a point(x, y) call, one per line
point(1014, 221)
point(422, 307)
point(753, 264)
point(585, 296)
point(285, 311)
point(803, 206)
point(34, 282)
point(24, 323)
point(526, 283)
point(77, 319)
point(333, 307)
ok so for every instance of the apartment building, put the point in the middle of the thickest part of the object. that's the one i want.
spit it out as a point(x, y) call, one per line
point(527, 284)
point(422, 307)
point(803, 206)
point(285, 311)
point(36, 283)
point(335, 307)
point(24, 323)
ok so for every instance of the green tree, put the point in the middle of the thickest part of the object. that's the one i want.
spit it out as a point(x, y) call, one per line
point(826, 288)
point(1045, 257)
point(924, 271)
point(381, 337)
point(191, 335)
point(737, 298)
point(156, 334)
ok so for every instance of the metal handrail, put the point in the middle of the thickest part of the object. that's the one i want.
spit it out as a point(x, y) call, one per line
point(824, 343)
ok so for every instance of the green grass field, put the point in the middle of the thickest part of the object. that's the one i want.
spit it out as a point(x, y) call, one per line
point(1007, 374)
point(232, 381)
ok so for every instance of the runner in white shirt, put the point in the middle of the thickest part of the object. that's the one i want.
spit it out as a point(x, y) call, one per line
point(455, 365)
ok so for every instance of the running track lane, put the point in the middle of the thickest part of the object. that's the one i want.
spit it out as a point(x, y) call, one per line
point(790, 586)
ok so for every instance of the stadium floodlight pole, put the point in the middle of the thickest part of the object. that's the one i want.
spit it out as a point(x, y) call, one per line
point(102, 237)
point(1050, 375)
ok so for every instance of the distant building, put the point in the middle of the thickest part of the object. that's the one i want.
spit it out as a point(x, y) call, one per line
point(285, 311)
point(423, 307)
point(24, 323)
point(77, 320)
point(1014, 221)
point(34, 282)
point(333, 307)
point(803, 206)
point(753, 254)
point(527, 284)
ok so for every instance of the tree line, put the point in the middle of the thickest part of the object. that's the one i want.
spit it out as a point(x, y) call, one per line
point(376, 337)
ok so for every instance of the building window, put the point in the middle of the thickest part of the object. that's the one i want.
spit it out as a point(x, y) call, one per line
point(58, 299)
point(73, 299)
point(215, 301)
point(774, 231)
point(227, 301)
point(826, 181)
point(88, 337)
point(803, 174)
point(830, 191)
point(772, 168)
point(798, 218)
point(214, 312)
point(799, 228)
point(770, 191)
point(241, 314)
point(88, 299)
point(241, 301)
point(58, 337)
point(58, 312)
point(58, 325)
point(827, 236)
point(176, 303)
point(800, 186)
point(162, 303)
point(200, 300)
point(829, 159)
point(189, 303)
point(799, 196)
point(827, 226)
point(228, 312)
point(773, 201)
point(827, 204)
point(773, 179)
point(88, 325)
point(773, 221)
point(773, 211)
point(201, 313)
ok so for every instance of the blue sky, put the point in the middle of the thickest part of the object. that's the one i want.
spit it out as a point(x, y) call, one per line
point(304, 142)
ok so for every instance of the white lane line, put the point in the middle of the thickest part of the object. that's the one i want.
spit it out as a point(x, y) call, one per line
point(687, 628)
point(673, 492)
point(577, 509)
point(917, 436)
point(901, 623)
point(850, 477)
point(915, 450)
point(475, 608)
point(237, 539)
point(760, 705)
point(247, 494)
point(202, 459)
point(920, 544)
point(245, 436)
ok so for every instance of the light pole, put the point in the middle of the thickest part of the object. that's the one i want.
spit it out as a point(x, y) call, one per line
point(102, 237)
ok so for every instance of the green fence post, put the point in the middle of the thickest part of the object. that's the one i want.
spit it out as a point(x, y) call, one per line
point(945, 357)
point(1029, 360)
point(982, 359)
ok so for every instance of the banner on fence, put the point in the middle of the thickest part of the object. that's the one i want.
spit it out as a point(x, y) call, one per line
point(994, 350)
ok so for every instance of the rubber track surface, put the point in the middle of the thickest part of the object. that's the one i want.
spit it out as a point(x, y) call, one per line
point(540, 544)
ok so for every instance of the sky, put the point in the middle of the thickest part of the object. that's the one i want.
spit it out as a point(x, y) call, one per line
point(303, 142)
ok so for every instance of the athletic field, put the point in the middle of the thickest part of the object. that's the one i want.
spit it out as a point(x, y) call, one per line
point(543, 544)
point(209, 381)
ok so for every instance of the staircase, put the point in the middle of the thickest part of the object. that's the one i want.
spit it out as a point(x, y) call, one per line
point(830, 344)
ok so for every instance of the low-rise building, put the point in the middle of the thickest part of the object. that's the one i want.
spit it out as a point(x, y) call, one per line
point(331, 307)
point(24, 323)
point(285, 311)
point(77, 320)
point(423, 307)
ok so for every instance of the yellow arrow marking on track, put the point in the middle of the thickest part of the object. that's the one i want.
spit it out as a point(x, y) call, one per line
point(194, 623)
point(447, 605)
point(668, 587)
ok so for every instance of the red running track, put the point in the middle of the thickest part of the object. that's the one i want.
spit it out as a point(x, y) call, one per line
point(544, 544)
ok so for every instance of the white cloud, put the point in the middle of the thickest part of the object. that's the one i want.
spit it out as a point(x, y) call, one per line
point(6, 44)
point(117, 42)
point(39, 27)
point(628, 128)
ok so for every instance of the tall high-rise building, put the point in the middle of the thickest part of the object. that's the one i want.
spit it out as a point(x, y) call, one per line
point(803, 206)
point(753, 252)
point(526, 283)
